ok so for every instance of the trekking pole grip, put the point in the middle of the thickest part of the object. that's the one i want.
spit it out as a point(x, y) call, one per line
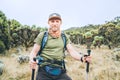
point(33, 71)
point(87, 68)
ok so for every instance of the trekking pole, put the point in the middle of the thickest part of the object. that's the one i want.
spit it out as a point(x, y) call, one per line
point(33, 71)
point(87, 66)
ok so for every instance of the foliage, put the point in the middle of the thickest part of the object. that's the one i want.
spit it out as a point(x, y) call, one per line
point(111, 34)
point(98, 38)
point(2, 47)
point(13, 34)
point(88, 35)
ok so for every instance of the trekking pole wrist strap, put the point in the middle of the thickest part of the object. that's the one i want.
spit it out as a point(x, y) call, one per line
point(83, 57)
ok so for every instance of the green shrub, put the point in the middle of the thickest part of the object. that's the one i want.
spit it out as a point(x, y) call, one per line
point(14, 35)
point(2, 47)
point(88, 35)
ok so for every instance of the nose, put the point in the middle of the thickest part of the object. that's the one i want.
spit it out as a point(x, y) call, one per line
point(54, 23)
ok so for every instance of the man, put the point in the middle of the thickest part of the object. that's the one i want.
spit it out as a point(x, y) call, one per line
point(53, 52)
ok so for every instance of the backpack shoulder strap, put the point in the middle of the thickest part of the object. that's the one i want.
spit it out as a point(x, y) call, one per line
point(45, 38)
point(64, 39)
point(43, 42)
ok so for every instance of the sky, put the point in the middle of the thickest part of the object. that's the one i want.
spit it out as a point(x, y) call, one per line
point(74, 13)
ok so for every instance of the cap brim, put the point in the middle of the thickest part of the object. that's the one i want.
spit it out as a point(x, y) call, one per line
point(55, 17)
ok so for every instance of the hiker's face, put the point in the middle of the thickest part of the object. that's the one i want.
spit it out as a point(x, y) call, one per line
point(55, 24)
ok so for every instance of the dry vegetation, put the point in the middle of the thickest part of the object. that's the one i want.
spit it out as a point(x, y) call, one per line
point(101, 68)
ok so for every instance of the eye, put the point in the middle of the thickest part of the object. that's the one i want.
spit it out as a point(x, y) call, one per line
point(52, 21)
point(57, 21)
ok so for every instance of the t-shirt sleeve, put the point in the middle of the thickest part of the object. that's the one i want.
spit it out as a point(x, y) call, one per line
point(38, 39)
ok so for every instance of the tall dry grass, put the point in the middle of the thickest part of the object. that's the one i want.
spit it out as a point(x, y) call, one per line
point(102, 67)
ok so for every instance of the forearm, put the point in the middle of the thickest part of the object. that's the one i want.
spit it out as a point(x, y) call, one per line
point(76, 55)
point(34, 51)
point(32, 55)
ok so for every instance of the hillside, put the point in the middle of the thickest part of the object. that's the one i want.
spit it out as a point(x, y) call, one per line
point(102, 67)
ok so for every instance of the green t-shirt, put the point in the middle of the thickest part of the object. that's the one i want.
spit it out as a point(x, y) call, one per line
point(54, 48)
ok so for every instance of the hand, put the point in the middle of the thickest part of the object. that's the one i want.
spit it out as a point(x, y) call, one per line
point(87, 58)
point(33, 64)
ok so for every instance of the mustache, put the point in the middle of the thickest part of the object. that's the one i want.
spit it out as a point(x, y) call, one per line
point(54, 27)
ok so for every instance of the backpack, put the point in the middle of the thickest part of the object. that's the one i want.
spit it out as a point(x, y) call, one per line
point(43, 43)
point(45, 38)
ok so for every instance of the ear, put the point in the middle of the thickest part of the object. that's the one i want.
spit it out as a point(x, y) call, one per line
point(61, 21)
point(48, 21)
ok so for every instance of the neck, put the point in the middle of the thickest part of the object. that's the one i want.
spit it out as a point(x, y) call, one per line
point(55, 34)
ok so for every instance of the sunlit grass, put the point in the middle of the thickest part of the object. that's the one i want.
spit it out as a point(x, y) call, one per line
point(101, 68)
